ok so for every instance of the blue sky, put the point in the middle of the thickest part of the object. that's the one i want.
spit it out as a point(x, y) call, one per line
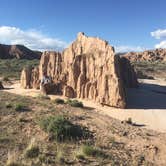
point(53, 24)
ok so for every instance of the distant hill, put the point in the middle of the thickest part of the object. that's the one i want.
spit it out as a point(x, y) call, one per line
point(18, 51)
point(149, 55)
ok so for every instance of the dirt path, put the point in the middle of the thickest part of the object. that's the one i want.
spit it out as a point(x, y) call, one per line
point(147, 105)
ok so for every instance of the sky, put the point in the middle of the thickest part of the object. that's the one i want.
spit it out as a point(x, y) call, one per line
point(128, 25)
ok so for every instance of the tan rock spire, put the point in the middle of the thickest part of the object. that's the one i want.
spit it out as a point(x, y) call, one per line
point(88, 68)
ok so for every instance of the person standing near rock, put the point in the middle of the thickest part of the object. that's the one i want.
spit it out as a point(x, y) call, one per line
point(45, 83)
point(45, 79)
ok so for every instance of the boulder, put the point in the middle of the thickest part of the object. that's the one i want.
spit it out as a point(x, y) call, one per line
point(89, 69)
point(51, 88)
point(69, 92)
point(25, 79)
point(30, 78)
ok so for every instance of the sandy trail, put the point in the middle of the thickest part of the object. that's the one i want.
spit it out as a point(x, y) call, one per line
point(146, 105)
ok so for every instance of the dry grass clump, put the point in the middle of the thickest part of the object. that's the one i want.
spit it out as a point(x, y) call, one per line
point(12, 159)
point(60, 128)
point(32, 150)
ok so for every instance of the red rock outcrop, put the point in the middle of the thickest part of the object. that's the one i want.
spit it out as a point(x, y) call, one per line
point(150, 55)
point(18, 51)
point(87, 69)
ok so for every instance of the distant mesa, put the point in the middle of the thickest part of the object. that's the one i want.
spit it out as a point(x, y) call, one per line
point(87, 69)
point(148, 56)
point(18, 52)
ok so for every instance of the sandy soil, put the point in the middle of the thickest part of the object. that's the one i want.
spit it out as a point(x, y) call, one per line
point(146, 105)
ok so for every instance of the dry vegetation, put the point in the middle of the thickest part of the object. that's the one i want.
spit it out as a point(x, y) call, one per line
point(150, 70)
point(38, 131)
point(11, 68)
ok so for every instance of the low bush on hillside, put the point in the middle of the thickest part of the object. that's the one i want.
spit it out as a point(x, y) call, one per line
point(59, 101)
point(74, 103)
point(8, 105)
point(88, 150)
point(129, 121)
point(11, 68)
point(60, 128)
point(6, 79)
point(19, 107)
point(150, 70)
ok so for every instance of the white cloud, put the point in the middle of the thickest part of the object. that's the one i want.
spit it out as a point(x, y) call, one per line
point(159, 34)
point(129, 48)
point(162, 44)
point(32, 39)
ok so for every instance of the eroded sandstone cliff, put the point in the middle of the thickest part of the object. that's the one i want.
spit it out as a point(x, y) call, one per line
point(87, 69)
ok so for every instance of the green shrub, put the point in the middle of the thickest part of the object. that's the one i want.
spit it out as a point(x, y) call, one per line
point(129, 121)
point(60, 157)
point(91, 151)
point(32, 150)
point(12, 68)
point(60, 128)
point(80, 156)
point(19, 107)
point(59, 101)
point(6, 79)
point(75, 103)
point(8, 105)
point(88, 150)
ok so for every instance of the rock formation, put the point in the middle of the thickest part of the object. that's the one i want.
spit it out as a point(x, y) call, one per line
point(18, 51)
point(151, 55)
point(87, 69)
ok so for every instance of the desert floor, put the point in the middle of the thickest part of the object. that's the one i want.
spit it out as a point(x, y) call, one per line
point(146, 105)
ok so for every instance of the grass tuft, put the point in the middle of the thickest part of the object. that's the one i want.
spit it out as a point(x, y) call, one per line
point(60, 128)
point(75, 103)
point(12, 160)
point(6, 78)
point(8, 105)
point(89, 151)
point(59, 101)
point(33, 150)
point(129, 121)
point(19, 107)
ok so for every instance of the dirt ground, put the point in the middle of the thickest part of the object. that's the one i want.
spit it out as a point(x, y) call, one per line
point(120, 142)
point(146, 105)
